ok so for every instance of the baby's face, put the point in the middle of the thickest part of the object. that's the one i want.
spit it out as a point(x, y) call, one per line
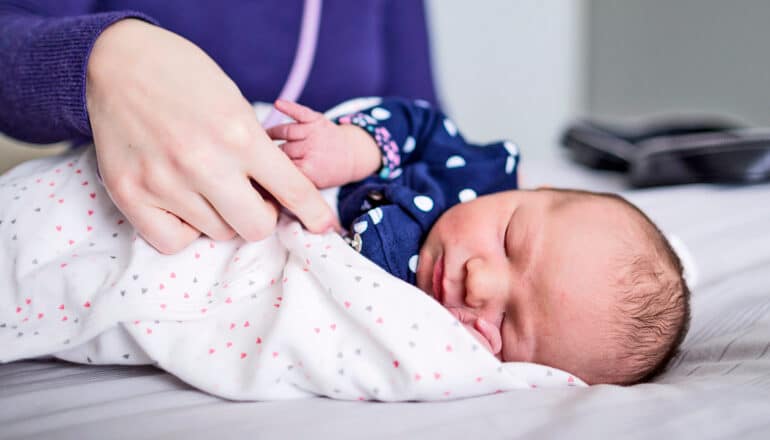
point(529, 275)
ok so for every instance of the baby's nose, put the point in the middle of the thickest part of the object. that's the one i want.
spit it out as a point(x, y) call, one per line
point(485, 284)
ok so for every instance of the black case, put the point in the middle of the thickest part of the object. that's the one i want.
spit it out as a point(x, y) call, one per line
point(673, 151)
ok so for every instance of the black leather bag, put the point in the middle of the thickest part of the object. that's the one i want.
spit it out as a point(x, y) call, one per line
point(674, 151)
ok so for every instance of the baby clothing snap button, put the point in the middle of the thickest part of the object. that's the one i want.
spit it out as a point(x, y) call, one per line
point(375, 197)
point(355, 242)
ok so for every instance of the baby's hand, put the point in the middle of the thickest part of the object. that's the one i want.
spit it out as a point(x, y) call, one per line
point(327, 153)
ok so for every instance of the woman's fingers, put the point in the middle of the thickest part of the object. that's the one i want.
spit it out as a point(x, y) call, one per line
point(198, 213)
point(163, 230)
point(292, 189)
point(186, 146)
point(243, 208)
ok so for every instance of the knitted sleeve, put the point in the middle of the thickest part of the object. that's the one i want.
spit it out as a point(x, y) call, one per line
point(43, 60)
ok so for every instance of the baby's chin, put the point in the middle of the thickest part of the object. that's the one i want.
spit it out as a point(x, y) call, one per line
point(481, 339)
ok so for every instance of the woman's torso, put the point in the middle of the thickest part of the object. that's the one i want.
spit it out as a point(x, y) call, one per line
point(242, 35)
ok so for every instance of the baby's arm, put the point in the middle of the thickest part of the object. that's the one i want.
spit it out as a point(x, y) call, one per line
point(388, 139)
point(418, 141)
point(327, 153)
point(379, 140)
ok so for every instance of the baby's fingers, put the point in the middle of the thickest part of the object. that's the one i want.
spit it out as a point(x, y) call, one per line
point(295, 150)
point(288, 132)
point(298, 112)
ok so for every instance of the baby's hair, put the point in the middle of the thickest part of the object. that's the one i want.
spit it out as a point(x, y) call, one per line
point(654, 303)
point(654, 300)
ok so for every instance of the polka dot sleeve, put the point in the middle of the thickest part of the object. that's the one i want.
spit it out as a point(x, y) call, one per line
point(407, 132)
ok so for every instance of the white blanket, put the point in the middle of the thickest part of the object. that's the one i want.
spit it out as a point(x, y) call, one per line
point(294, 315)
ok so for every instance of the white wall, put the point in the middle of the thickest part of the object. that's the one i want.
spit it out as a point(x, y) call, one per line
point(509, 68)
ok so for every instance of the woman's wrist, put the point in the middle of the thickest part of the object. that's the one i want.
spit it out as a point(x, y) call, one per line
point(112, 50)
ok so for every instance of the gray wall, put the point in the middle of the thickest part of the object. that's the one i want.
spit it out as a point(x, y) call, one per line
point(510, 69)
point(653, 56)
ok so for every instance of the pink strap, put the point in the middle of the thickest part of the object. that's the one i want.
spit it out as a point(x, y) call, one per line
point(303, 59)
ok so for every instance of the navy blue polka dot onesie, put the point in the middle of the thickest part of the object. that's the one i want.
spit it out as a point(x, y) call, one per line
point(427, 167)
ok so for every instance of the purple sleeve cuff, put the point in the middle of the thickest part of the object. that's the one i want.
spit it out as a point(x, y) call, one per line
point(43, 63)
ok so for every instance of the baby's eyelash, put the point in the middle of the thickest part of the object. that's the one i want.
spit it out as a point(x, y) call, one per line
point(505, 239)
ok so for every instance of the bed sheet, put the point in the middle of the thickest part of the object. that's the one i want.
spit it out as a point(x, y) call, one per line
point(718, 387)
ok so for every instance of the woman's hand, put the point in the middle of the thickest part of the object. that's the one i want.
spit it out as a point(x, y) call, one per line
point(178, 145)
point(327, 153)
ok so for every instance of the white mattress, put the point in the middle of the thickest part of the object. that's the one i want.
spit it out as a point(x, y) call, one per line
point(719, 387)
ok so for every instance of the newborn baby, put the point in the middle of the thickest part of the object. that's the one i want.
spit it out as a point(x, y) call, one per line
point(576, 280)
point(580, 281)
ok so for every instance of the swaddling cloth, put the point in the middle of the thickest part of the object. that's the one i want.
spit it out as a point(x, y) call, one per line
point(291, 316)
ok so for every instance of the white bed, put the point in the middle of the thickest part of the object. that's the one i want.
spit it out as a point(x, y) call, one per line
point(718, 387)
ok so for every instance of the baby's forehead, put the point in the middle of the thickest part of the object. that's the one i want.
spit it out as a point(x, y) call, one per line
point(580, 234)
point(607, 211)
point(565, 197)
point(587, 239)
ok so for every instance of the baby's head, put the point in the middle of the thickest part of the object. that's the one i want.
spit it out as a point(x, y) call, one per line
point(575, 280)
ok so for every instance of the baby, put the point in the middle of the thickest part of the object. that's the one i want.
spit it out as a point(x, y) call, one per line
point(580, 281)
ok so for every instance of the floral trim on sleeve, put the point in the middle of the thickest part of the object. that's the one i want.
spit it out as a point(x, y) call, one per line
point(391, 158)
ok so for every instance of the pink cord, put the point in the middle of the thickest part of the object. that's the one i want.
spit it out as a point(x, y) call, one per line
point(303, 59)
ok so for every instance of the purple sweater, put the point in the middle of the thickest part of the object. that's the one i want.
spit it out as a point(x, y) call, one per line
point(365, 47)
